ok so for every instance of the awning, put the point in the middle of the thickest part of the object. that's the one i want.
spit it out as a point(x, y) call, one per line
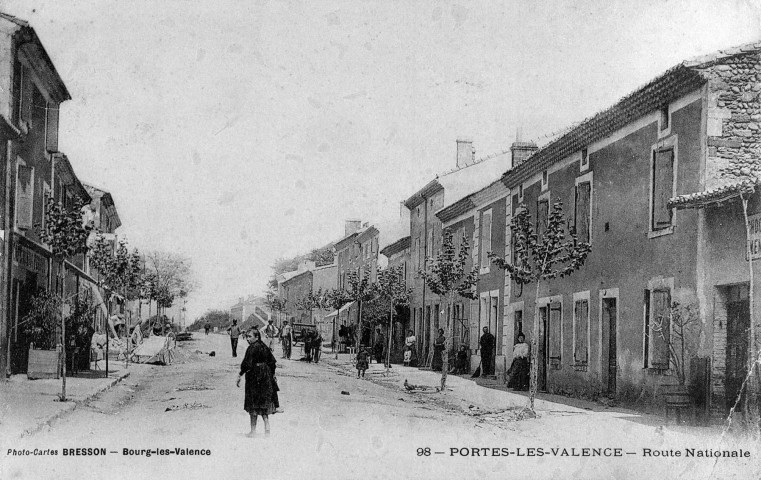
point(331, 314)
point(345, 307)
point(713, 196)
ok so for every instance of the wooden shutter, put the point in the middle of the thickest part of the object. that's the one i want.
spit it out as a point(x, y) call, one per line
point(24, 197)
point(485, 239)
point(663, 188)
point(581, 316)
point(51, 129)
point(542, 217)
point(660, 353)
point(555, 332)
point(517, 325)
point(582, 211)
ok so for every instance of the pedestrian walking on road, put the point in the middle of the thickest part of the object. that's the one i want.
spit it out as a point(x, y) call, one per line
point(259, 368)
point(207, 327)
point(316, 346)
point(234, 330)
point(270, 333)
point(306, 336)
point(363, 361)
point(286, 337)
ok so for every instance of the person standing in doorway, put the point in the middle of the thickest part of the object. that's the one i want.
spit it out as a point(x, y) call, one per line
point(270, 332)
point(234, 330)
point(409, 348)
point(487, 344)
point(286, 336)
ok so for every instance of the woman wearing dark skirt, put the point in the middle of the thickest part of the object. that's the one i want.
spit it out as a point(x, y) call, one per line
point(259, 368)
point(439, 345)
point(519, 370)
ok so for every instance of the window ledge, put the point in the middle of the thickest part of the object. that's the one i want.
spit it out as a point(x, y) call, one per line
point(581, 367)
point(484, 270)
point(661, 232)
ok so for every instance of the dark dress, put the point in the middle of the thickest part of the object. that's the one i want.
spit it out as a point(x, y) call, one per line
point(462, 361)
point(380, 343)
point(363, 360)
point(438, 347)
point(259, 367)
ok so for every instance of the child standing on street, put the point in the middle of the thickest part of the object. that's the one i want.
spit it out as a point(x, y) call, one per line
point(363, 361)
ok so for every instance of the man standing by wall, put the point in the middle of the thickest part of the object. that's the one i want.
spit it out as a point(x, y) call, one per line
point(234, 334)
point(286, 336)
point(487, 344)
point(270, 331)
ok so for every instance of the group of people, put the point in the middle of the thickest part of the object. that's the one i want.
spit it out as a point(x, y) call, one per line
point(312, 345)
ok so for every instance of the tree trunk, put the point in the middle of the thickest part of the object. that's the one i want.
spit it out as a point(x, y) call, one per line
point(390, 335)
point(447, 344)
point(62, 274)
point(534, 357)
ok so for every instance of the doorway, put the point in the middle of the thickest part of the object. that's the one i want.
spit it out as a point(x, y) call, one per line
point(541, 381)
point(609, 319)
point(738, 324)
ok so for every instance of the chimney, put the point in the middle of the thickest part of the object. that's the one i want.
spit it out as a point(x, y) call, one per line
point(466, 154)
point(351, 226)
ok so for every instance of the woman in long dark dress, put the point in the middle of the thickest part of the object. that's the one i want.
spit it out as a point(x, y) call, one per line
point(259, 368)
point(438, 347)
point(519, 370)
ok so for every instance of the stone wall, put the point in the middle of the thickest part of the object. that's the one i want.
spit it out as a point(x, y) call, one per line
point(734, 119)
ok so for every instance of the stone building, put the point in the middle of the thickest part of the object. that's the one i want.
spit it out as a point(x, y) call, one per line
point(653, 184)
point(398, 255)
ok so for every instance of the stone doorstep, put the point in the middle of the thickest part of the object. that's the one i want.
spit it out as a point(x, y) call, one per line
point(69, 406)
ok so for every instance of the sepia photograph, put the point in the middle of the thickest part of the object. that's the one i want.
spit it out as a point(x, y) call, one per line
point(372, 239)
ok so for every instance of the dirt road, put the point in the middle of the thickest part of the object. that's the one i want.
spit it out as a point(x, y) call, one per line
point(376, 431)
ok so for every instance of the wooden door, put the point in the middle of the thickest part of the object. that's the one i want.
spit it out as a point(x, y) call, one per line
point(541, 357)
point(609, 313)
point(738, 324)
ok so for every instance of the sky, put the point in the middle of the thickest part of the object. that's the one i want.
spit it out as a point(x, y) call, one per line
point(237, 132)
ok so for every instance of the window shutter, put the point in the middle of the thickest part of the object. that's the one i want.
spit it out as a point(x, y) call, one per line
point(24, 197)
point(663, 188)
point(660, 355)
point(542, 217)
point(485, 239)
point(581, 314)
point(582, 211)
point(555, 332)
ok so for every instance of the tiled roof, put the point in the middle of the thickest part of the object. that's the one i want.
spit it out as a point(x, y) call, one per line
point(396, 247)
point(712, 196)
point(674, 83)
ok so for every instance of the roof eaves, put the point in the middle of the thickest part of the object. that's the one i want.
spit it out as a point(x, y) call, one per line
point(396, 247)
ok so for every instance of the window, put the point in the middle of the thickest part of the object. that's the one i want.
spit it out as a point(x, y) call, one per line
point(556, 331)
point(660, 329)
point(545, 180)
point(664, 123)
point(517, 325)
point(520, 192)
point(542, 216)
point(24, 196)
point(584, 158)
point(418, 253)
point(429, 244)
point(583, 210)
point(580, 331)
point(486, 245)
point(663, 189)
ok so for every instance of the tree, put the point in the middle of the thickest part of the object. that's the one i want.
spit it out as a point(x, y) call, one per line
point(541, 257)
point(215, 318)
point(360, 290)
point(310, 301)
point(447, 278)
point(168, 274)
point(65, 233)
point(392, 287)
point(119, 271)
point(334, 299)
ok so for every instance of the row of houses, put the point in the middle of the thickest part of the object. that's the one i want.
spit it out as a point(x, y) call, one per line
point(655, 183)
point(32, 171)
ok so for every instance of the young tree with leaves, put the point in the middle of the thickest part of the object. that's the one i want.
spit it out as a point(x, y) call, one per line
point(119, 271)
point(334, 299)
point(65, 232)
point(392, 287)
point(447, 278)
point(360, 290)
point(540, 257)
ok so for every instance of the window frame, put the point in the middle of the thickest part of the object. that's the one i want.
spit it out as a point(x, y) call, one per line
point(483, 257)
point(582, 297)
point(586, 178)
point(670, 143)
point(655, 285)
point(21, 163)
point(584, 159)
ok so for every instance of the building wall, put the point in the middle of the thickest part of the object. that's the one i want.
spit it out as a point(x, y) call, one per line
point(624, 258)
point(296, 289)
point(465, 328)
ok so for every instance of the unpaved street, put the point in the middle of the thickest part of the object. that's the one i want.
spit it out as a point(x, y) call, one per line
point(374, 432)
